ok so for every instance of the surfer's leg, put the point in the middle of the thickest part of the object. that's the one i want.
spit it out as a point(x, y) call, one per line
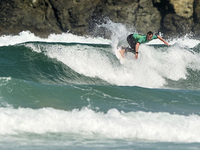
point(122, 51)
point(131, 42)
point(128, 49)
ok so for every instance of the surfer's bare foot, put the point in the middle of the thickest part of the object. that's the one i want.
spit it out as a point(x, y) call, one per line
point(122, 52)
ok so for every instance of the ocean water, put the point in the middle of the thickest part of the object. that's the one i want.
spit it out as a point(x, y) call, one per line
point(71, 92)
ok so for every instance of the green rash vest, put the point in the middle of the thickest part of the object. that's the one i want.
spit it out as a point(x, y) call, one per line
point(142, 38)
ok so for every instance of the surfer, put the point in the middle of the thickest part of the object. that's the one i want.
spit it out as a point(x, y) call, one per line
point(134, 40)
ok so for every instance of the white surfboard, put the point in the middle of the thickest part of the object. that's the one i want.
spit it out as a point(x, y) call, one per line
point(118, 55)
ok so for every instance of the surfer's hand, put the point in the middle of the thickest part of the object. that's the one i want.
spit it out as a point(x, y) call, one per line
point(136, 55)
point(166, 43)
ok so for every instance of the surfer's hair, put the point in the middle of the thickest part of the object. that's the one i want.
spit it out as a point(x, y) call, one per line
point(150, 33)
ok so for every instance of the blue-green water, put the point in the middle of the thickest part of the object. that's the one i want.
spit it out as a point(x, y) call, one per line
point(78, 95)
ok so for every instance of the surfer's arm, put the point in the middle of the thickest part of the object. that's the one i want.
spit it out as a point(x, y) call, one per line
point(162, 40)
point(136, 50)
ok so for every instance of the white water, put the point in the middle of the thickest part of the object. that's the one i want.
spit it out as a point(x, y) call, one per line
point(163, 127)
point(27, 36)
point(150, 70)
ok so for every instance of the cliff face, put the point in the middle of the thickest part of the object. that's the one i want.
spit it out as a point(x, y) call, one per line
point(42, 17)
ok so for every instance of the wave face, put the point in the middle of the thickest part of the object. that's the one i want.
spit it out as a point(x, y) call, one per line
point(73, 88)
point(75, 63)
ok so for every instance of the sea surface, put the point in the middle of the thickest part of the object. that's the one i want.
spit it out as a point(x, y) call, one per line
point(72, 92)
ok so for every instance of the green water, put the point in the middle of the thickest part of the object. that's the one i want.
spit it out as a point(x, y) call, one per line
point(79, 96)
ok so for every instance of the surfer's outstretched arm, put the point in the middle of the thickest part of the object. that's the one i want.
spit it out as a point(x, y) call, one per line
point(162, 40)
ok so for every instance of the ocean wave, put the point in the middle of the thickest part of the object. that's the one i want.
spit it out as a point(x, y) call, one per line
point(27, 36)
point(154, 66)
point(162, 127)
point(72, 59)
point(75, 63)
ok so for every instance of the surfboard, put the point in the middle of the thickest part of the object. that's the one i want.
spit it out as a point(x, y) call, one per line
point(118, 55)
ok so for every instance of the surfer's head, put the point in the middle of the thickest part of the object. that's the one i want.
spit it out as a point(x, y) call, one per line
point(149, 35)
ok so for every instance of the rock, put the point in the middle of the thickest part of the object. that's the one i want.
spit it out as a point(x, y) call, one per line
point(168, 24)
point(197, 10)
point(197, 17)
point(24, 15)
point(43, 17)
point(177, 17)
point(143, 15)
point(118, 10)
point(148, 17)
point(183, 8)
point(177, 26)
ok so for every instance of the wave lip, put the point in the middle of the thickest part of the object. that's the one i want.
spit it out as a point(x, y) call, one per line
point(162, 127)
point(27, 36)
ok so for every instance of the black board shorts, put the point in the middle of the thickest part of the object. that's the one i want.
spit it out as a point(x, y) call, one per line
point(131, 41)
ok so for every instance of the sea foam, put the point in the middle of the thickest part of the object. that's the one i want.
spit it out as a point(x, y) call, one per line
point(151, 69)
point(27, 36)
point(163, 127)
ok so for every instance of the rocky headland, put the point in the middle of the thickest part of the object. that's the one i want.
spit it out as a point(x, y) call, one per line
point(43, 17)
